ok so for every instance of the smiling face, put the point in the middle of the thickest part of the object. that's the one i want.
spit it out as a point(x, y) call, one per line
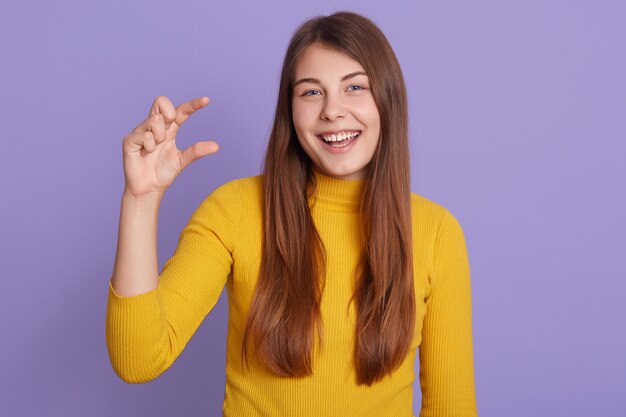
point(334, 113)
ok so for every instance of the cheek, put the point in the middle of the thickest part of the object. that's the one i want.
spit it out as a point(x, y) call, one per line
point(368, 113)
point(301, 116)
point(301, 125)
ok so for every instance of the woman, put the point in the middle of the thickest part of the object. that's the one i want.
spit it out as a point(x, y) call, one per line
point(335, 271)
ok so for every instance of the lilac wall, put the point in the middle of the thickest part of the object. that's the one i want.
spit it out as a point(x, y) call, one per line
point(517, 126)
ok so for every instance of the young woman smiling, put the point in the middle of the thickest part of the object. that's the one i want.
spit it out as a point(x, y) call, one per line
point(336, 272)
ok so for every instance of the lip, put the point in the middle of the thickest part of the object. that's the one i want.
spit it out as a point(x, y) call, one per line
point(343, 149)
point(334, 132)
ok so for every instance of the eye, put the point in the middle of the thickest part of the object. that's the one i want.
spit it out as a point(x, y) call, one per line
point(306, 93)
point(359, 87)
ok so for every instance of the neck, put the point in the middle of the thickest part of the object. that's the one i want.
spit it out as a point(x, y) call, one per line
point(338, 194)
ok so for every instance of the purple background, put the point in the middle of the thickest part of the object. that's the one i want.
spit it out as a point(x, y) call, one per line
point(518, 121)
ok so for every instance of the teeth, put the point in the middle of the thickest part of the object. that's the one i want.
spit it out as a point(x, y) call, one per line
point(339, 137)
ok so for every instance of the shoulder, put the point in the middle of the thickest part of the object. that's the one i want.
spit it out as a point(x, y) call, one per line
point(439, 226)
point(422, 203)
point(237, 189)
point(223, 209)
point(427, 213)
point(432, 219)
point(249, 187)
point(234, 197)
point(432, 209)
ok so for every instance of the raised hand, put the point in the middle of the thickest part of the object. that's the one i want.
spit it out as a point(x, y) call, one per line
point(151, 159)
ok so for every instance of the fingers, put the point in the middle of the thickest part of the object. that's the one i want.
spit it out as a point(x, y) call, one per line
point(162, 105)
point(147, 141)
point(157, 127)
point(148, 134)
point(164, 108)
point(187, 109)
point(197, 151)
point(154, 129)
point(142, 142)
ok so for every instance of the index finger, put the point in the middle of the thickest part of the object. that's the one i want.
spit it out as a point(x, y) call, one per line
point(187, 109)
point(162, 105)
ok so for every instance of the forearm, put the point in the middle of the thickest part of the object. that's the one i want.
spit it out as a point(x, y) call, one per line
point(136, 262)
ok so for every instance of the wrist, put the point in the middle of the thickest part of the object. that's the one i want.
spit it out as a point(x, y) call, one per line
point(147, 199)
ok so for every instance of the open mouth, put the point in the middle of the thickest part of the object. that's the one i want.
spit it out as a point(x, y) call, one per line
point(340, 141)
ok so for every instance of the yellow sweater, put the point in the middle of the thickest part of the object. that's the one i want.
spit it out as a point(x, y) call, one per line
point(221, 246)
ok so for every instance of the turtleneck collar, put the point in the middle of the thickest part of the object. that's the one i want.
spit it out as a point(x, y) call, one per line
point(338, 194)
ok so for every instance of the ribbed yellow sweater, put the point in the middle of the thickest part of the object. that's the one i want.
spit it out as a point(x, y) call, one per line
point(221, 246)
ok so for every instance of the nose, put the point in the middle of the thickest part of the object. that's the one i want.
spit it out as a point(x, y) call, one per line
point(334, 108)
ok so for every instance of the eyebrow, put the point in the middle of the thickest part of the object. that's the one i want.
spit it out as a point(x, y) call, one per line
point(316, 81)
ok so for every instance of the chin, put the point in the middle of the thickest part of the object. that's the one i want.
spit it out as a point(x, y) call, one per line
point(348, 174)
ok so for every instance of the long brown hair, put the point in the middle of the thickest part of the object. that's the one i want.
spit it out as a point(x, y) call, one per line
point(285, 309)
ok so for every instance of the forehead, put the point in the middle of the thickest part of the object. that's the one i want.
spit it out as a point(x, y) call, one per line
point(321, 62)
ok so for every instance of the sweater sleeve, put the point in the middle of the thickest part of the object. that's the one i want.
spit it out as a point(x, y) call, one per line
point(145, 333)
point(446, 352)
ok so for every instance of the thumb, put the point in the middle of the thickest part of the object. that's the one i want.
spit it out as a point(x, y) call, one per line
point(197, 151)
